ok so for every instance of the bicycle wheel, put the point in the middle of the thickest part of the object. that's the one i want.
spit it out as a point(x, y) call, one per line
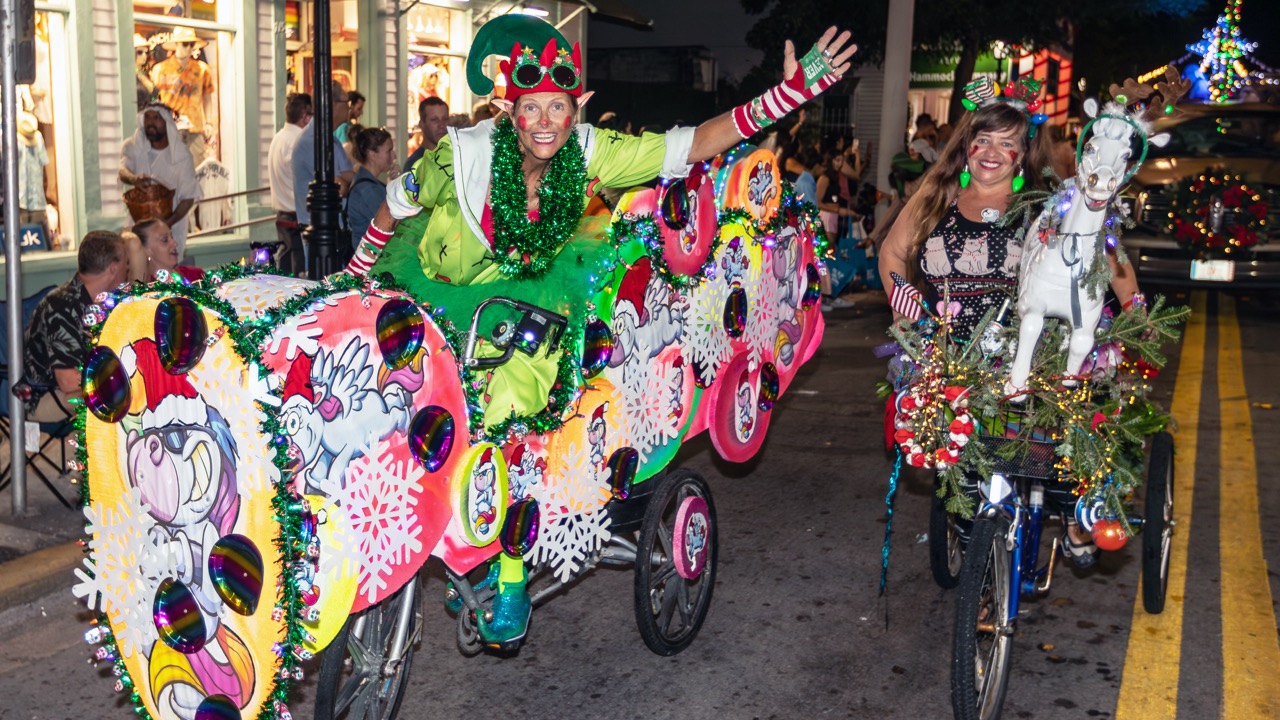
point(946, 554)
point(675, 562)
point(1157, 525)
point(984, 630)
point(358, 680)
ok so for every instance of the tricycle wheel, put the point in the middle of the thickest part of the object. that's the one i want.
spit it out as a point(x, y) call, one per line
point(984, 630)
point(362, 673)
point(1157, 524)
point(675, 562)
point(946, 553)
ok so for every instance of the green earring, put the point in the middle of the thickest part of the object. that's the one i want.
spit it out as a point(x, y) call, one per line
point(966, 176)
point(1018, 181)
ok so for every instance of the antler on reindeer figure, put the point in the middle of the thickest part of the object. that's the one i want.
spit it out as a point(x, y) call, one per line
point(1064, 253)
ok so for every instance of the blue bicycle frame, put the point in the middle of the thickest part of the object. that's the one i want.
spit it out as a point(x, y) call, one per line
point(1023, 505)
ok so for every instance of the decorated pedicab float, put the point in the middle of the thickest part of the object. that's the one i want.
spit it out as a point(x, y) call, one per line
point(270, 461)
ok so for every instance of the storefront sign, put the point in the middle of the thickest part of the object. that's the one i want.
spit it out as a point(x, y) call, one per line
point(933, 73)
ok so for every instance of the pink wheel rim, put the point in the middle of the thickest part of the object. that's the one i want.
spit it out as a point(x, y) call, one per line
point(737, 425)
point(686, 250)
point(691, 543)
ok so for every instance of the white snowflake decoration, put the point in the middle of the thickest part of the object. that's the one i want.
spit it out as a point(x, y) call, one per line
point(573, 521)
point(706, 342)
point(123, 570)
point(380, 502)
point(648, 400)
point(300, 335)
point(762, 317)
point(252, 296)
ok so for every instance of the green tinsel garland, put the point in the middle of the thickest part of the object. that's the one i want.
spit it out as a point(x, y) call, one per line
point(645, 229)
point(530, 246)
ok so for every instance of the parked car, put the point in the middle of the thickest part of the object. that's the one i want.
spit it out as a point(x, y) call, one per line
point(1215, 141)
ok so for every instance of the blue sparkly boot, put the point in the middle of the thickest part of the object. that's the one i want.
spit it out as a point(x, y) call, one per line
point(511, 606)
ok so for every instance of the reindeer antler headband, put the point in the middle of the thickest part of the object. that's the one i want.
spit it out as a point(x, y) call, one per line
point(1022, 94)
point(1130, 96)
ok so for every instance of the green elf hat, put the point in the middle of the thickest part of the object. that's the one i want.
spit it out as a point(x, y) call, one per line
point(506, 35)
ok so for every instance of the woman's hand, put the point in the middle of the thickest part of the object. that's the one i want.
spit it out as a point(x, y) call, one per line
point(829, 47)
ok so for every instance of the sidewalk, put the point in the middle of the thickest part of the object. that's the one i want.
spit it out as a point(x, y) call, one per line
point(38, 550)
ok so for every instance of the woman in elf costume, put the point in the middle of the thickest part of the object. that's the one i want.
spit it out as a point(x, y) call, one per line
point(506, 195)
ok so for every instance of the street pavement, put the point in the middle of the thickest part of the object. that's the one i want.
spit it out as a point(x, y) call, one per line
point(797, 628)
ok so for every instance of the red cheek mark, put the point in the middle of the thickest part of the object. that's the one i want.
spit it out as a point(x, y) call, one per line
point(568, 123)
point(1013, 156)
point(522, 123)
point(973, 150)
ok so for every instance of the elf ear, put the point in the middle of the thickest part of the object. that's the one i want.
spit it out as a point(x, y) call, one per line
point(582, 99)
point(503, 104)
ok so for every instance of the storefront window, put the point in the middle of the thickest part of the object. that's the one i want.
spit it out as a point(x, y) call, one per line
point(435, 68)
point(41, 197)
point(178, 67)
point(299, 38)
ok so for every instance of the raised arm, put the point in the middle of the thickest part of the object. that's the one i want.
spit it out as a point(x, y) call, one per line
point(803, 80)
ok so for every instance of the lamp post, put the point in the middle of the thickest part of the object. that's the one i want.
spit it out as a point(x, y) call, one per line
point(323, 199)
point(1000, 51)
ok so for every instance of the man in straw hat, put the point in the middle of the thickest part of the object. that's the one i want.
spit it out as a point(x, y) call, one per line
point(142, 70)
point(185, 84)
point(505, 197)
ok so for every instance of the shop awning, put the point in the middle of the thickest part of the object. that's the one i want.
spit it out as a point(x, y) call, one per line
point(618, 10)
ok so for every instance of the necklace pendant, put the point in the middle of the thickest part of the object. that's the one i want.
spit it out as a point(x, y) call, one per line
point(990, 215)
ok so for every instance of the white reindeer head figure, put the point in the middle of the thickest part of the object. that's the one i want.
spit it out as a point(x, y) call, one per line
point(1104, 154)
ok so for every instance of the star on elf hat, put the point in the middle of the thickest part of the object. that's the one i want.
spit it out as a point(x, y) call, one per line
point(539, 59)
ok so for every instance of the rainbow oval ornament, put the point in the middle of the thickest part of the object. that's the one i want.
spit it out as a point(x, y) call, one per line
point(235, 566)
point(735, 312)
point(623, 465)
point(217, 707)
point(673, 204)
point(597, 347)
point(177, 616)
point(813, 290)
point(106, 385)
point(520, 529)
point(769, 386)
point(401, 330)
point(181, 332)
point(431, 437)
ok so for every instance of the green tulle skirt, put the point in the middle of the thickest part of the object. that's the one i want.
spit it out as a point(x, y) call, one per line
point(522, 384)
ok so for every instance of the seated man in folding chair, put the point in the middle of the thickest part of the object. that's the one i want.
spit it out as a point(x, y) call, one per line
point(56, 342)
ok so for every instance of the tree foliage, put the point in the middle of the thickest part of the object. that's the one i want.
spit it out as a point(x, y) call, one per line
point(1109, 39)
point(803, 21)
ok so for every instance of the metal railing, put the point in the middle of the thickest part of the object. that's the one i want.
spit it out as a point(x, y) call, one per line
point(221, 229)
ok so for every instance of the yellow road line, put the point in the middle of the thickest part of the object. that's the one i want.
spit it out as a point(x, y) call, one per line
point(1250, 650)
point(1149, 686)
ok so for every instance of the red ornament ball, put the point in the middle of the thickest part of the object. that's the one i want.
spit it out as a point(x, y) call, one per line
point(1109, 535)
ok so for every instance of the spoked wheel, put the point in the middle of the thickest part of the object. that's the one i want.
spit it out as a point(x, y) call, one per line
point(1157, 524)
point(984, 630)
point(675, 562)
point(946, 554)
point(364, 670)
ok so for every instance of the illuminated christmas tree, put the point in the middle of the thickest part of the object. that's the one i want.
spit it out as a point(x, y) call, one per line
point(1223, 52)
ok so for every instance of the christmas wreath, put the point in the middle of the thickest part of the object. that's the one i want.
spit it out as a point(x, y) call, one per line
point(1217, 212)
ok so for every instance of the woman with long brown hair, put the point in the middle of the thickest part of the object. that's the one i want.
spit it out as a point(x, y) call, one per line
point(948, 232)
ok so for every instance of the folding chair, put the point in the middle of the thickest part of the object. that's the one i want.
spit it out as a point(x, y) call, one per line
point(52, 434)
